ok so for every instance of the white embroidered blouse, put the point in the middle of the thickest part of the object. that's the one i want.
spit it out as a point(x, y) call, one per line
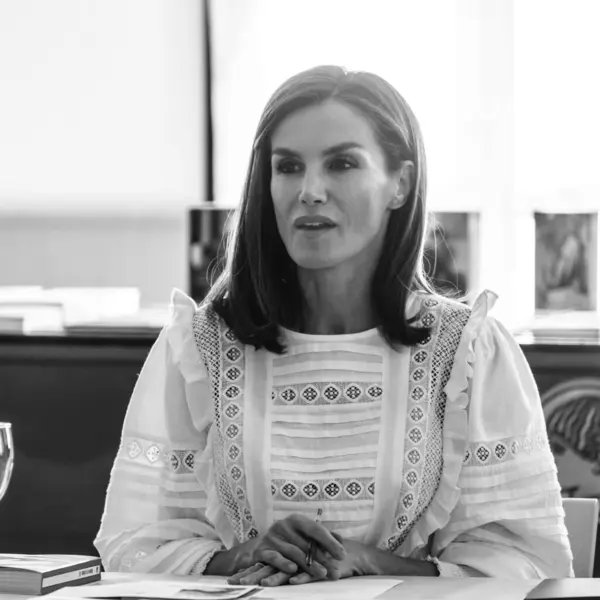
point(438, 450)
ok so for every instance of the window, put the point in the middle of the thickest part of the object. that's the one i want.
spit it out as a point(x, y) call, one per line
point(101, 105)
point(505, 93)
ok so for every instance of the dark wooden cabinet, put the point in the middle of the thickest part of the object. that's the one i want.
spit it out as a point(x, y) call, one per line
point(66, 398)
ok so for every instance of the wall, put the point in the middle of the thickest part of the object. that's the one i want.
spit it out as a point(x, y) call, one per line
point(102, 146)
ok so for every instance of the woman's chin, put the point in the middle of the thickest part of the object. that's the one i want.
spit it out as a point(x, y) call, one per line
point(314, 262)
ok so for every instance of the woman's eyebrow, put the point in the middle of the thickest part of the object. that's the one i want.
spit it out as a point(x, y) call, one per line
point(281, 151)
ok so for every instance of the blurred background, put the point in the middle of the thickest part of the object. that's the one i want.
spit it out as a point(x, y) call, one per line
point(125, 133)
point(119, 116)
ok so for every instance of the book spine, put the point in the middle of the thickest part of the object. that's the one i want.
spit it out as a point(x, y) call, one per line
point(61, 579)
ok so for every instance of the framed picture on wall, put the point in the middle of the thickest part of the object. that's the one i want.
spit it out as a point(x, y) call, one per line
point(451, 252)
point(566, 261)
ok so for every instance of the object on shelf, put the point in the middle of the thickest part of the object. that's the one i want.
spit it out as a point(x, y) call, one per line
point(34, 309)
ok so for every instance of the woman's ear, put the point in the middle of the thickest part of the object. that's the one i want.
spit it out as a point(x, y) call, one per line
point(403, 181)
point(397, 201)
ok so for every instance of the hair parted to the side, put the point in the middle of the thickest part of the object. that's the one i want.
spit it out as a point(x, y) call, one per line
point(258, 291)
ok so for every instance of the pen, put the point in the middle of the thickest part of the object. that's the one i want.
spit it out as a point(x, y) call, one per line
point(309, 554)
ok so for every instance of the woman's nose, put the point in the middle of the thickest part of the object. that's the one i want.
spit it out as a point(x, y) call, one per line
point(313, 189)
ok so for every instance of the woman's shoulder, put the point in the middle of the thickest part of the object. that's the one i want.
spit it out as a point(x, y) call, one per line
point(187, 319)
point(453, 320)
point(435, 302)
point(184, 310)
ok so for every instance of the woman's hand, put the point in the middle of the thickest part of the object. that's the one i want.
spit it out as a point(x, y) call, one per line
point(284, 546)
point(267, 575)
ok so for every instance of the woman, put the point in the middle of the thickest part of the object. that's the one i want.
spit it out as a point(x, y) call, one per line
point(322, 372)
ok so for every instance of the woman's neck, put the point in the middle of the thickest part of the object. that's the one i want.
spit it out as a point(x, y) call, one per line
point(336, 302)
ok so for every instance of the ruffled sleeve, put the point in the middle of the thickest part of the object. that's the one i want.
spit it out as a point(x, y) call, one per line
point(155, 517)
point(498, 509)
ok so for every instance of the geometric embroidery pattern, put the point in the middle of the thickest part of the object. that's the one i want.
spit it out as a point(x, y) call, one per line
point(179, 461)
point(224, 359)
point(322, 490)
point(482, 454)
point(430, 365)
point(313, 394)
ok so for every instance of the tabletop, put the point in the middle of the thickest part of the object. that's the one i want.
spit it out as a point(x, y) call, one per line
point(407, 588)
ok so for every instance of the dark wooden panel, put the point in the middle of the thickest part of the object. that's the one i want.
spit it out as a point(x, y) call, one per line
point(66, 400)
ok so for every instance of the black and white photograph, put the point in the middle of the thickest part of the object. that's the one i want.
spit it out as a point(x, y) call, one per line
point(299, 300)
point(566, 261)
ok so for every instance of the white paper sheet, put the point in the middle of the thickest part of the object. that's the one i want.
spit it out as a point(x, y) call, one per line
point(355, 588)
point(192, 589)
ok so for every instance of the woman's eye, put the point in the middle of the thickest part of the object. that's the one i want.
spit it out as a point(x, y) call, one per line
point(342, 164)
point(287, 167)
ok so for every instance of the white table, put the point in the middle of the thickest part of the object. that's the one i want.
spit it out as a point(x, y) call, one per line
point(419, 588)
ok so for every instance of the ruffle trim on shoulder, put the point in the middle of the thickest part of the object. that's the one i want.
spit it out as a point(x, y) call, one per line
point(456, 428)
point(180, 334)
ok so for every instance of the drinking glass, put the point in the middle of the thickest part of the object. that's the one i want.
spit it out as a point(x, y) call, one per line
point(7, 457)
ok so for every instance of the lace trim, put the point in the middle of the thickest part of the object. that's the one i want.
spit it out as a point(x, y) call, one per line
point(155, 454)
point(323, 490)
point(430, 370)
point(455, 430)
point(224, 357)
point(484, 454)
point(312, 394)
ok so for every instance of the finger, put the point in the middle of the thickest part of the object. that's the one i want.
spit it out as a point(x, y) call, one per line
point(301, 578)
point(256, 577)
point(331, 565)
point(285, 561)
point(276, 579)
point(317, 532)
point(289, 559)
point(235, 579)
point(338, 537)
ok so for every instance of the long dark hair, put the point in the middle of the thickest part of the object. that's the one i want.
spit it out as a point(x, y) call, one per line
point(258, 290)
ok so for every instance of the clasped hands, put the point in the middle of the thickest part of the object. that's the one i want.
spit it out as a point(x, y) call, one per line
point(279, 556)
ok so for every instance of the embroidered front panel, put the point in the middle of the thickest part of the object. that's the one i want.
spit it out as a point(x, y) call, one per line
point(326, 421)
point(430, 367)
point(224, 357)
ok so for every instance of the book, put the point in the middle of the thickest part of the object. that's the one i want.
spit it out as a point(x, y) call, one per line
point(37, 574)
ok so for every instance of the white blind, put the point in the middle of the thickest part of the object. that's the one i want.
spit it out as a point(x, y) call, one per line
point(506, 93)
point(101, 104)
point(259, 43)
point(557, 100)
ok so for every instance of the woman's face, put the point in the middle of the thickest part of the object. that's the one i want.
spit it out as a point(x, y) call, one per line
point(331, 190)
